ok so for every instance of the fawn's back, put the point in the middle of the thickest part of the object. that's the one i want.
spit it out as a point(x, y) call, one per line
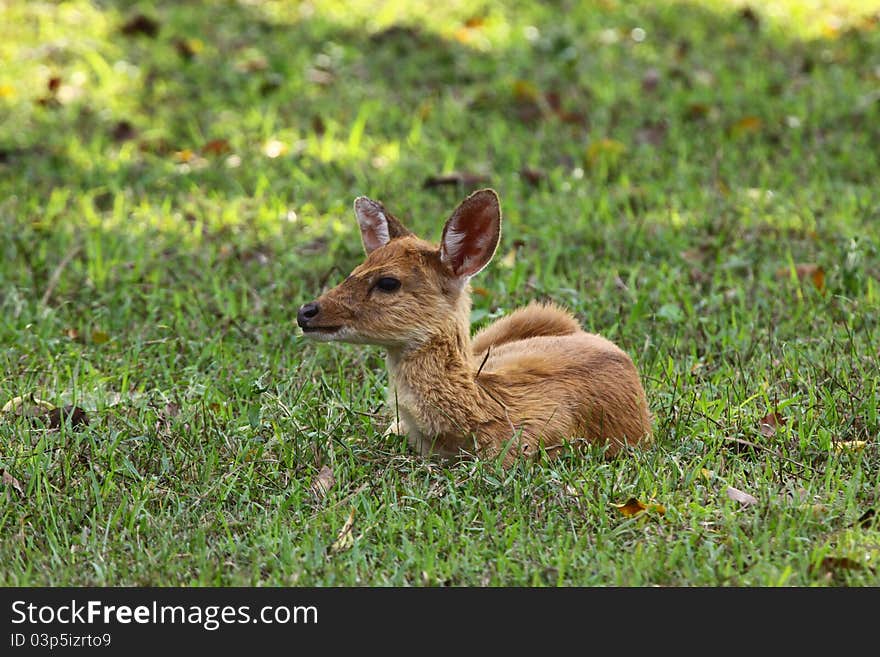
point(530, 381)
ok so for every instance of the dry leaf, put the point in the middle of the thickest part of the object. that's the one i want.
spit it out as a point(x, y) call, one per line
point(323, 482)
point(769, 423)
point(123, 131)
point(100, 337)
point(746, 125)
point(55, 418)
point(27, 406)
point(739, 496)
point(697, 111)
point(805, 271)
point(831, 566)
point(634, 507)
point(216, 147)
point(532, 176)
point(344, 539)
point(141, 24)
point(9, 480)
point(605, 150)
point(849, 445)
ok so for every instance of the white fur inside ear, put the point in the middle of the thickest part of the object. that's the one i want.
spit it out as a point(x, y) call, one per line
point(465, 253)
point(372, 222)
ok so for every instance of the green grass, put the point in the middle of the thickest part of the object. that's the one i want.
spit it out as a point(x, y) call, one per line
point(154, 281)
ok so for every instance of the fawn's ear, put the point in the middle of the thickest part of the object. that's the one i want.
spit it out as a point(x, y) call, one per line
point(471, 234)
point(378, 226)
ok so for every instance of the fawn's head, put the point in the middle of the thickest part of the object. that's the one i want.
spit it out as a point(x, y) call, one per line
point(407, 290)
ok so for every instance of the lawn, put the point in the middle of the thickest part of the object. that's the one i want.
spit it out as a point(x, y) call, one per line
point(696, 180)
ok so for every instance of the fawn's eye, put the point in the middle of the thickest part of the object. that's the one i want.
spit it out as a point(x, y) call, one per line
point(388, 284)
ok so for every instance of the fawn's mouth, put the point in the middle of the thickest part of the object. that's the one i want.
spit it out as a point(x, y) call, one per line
point(320, 329)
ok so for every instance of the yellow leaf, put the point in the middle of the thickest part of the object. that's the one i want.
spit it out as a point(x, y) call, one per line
point(633, 507)
point(525, 90)
point(26, 405)
point(606, 149)
point(746, 125)
point(7, 91)
point(184, 155)
point(849, 445)
point(509, 260)
point(100, 337)
point(344, 539)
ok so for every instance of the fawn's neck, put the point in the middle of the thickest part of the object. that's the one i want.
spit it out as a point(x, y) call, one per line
point(434, 382)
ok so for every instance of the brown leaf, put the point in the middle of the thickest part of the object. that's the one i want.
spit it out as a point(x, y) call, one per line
point(123, 131)
point(323, 482)
point(54, 84)
point(9, 480)
point(216, 147)
point(27, 406)
point(58, 417)
point(746, 125)
point(100, 337)
point(634, 507)
point(475, 22)
point(462, 178)
point(697, 111)
point(831, 566)
point(344, 539)
point(769, 423)
point(750, 17)
point(739, 496)
point(141, 24)
point(532, 176)
point(805, 271)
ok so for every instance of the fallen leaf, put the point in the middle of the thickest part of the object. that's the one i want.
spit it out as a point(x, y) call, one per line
point(696, 111)
point(9, 480)
point(769, 423)
point(509, 260)
point(27, 406)
point(344, 539)
point(461, 178)
point(123, 131)
point(831, 566)
point(216, 147)
point(7, 91)
point(141, 24)
point(189, 48)
point(746, 125)
point(805, 271)
point(323, 482)
point(475, 22)
point(634, 507)
point(739, 496)
point(53, 84)
point(523, 90)
point(100, 337)
point(849, 445)
point(532, 176)
point(605, 150)
point(57, 417)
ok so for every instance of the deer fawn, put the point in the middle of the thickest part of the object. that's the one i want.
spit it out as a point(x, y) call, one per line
point(531, 380)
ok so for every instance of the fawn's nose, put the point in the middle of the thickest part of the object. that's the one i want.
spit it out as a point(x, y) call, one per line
point(306, 312)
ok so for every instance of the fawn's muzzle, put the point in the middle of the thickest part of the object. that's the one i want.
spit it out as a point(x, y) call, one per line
point(307, 312)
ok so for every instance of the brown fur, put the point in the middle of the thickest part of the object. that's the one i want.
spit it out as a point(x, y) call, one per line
point(543, 382)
